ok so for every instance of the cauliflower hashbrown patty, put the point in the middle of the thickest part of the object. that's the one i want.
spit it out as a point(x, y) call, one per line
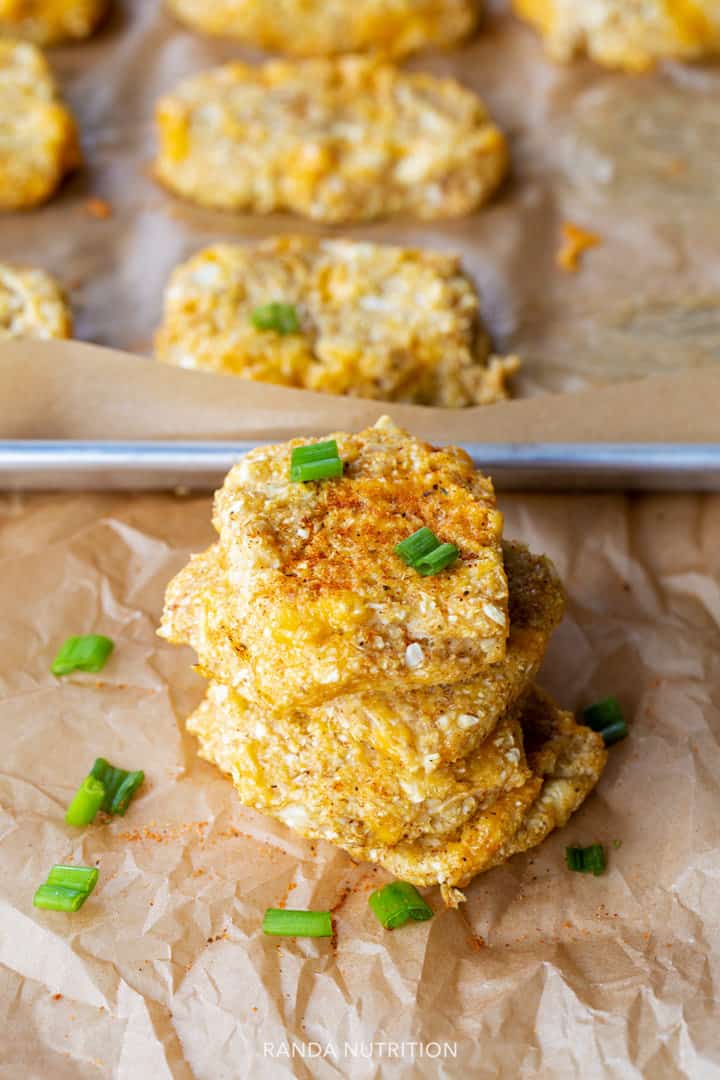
point(375, 321)
point(630, 34)
point(323, 27)
point(434, 724)
point(458, 837)
point(32, 305)
point(47, 22)
point(308, 774)
point(347, 139)
point(568, 762)
point(38, 137)
point(321, 594)
point(568, 757)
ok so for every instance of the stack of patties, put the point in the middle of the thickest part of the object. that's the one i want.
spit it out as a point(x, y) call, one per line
point(362, 701)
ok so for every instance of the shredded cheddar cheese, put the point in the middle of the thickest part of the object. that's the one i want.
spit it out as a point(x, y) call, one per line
point(629, 34)
point(576, 241)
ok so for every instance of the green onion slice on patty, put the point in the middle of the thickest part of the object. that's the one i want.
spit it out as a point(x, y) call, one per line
point(416, 546)
point(424, 552)
point(277, 316)
point(317, 461)
point(443, 556)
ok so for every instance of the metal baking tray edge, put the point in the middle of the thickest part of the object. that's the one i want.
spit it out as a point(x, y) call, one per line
point(30, 465)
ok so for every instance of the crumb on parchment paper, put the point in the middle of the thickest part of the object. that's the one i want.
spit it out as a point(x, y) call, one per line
point(576, 240)
point(99, 208)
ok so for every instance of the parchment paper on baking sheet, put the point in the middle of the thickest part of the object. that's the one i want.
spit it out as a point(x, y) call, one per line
point(635, 159)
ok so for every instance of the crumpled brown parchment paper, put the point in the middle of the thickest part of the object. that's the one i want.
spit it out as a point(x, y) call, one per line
point(165, 971)
point(634, 159)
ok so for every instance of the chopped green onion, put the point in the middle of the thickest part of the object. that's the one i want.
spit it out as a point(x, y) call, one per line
point(111, 779)
point(397, 903)
point(318, 451)
point(88, 799)
point(316, 470)
point(87, 653)
point(607, 719)
point(67, 888)
point(416, 546)
point(126, 791)
point(614, 732)
point(437, 560)
point(282, 318)
point(59, 898)
point(588, 860)
point(283, 922)
point(82, 878)
point(120, 785)
point(317, 461)
point(424, 552)
point(574, 859)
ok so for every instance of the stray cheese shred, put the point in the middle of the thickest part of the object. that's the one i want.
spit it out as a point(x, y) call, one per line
point(576, 241)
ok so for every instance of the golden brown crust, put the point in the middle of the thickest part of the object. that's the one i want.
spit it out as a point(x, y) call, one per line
point(567, 761)
point(569, 758)
point(426, 829)
point(436, 759)
point(39, 143)
point(442, 722)
point(375, 321)
point(350, 139)
point(324, 27)
point(319, 592)
point(310, 772)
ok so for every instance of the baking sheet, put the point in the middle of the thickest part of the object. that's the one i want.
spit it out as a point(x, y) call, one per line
point(198, 466)
point(635, 159)
point(79, 416)
point(165, 973)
